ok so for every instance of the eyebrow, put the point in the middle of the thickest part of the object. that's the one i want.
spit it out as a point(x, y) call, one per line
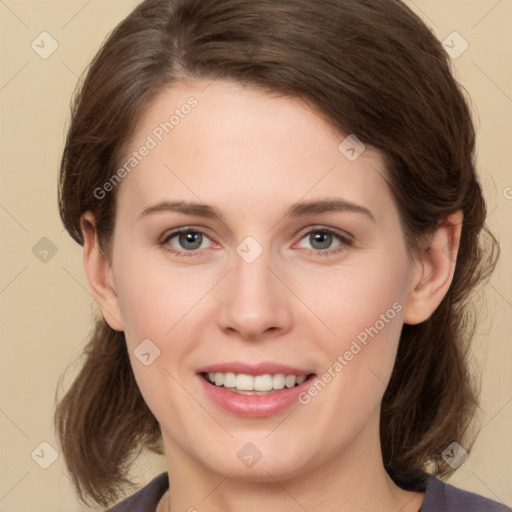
point(296, 210)
point(327, 205)
point(201, 210)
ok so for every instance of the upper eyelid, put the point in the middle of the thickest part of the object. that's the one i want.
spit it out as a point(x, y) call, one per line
point(318, 227)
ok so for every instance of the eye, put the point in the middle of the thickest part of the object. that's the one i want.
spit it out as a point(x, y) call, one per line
point(190, 242)
point(322, 240)
point(185, 242)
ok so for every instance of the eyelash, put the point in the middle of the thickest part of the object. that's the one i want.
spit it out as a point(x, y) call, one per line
point(345, 242)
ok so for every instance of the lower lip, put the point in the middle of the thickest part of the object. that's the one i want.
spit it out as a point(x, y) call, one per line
point(255, 406)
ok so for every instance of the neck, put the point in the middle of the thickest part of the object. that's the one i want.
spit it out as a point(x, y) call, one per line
point(353, 480)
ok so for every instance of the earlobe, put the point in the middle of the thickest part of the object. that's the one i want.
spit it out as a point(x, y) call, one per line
point(99, 274)
point(435, 267)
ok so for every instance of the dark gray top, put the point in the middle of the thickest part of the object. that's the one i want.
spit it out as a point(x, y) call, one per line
point(439, 497)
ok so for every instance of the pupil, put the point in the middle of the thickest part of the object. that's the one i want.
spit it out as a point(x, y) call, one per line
point(190, 238)
point(324, 239)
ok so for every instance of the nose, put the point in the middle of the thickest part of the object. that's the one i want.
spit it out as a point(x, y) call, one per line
point(255, 304)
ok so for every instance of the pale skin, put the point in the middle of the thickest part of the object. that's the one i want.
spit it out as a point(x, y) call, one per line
point(252, 156)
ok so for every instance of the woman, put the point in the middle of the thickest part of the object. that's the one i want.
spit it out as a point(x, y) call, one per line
point(282, 225)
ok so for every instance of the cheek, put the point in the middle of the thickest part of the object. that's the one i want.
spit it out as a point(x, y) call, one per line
point(153, 297)
point(364, 309)
point(154, 302)
point(364, 301)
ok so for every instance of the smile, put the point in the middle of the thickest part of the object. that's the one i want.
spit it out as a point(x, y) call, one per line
point(246, 384)
point(253, 390)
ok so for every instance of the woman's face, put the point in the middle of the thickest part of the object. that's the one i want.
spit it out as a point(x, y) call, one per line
point(291, 264)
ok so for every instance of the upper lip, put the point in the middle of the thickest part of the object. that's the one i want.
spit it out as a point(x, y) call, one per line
point(265, 367)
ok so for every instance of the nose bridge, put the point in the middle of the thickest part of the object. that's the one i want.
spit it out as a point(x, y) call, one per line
point(255, 301)
point(252, 277)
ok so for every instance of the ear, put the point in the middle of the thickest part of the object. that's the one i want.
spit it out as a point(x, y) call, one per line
point(99, 274)
point(434, 269)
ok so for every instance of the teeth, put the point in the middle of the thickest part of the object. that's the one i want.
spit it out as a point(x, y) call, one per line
point(229, 380)
point(262, 383)
point(289, 381)
point(258, 384)
point(219, 379)
point(278, 381)
point(244, 382)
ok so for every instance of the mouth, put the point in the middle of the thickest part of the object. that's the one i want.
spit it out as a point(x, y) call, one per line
point(251, 389)
point(263, 384)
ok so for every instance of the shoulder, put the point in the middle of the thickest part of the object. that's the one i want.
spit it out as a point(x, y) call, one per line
point(145, 500)
point(439, 497)
point(443, 497)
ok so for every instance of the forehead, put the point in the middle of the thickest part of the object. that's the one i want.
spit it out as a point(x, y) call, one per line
point(230, 145)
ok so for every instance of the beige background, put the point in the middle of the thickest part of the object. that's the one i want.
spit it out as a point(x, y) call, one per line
point(46, 308)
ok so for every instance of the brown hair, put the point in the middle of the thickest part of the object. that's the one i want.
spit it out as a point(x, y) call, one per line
point(370, 67)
